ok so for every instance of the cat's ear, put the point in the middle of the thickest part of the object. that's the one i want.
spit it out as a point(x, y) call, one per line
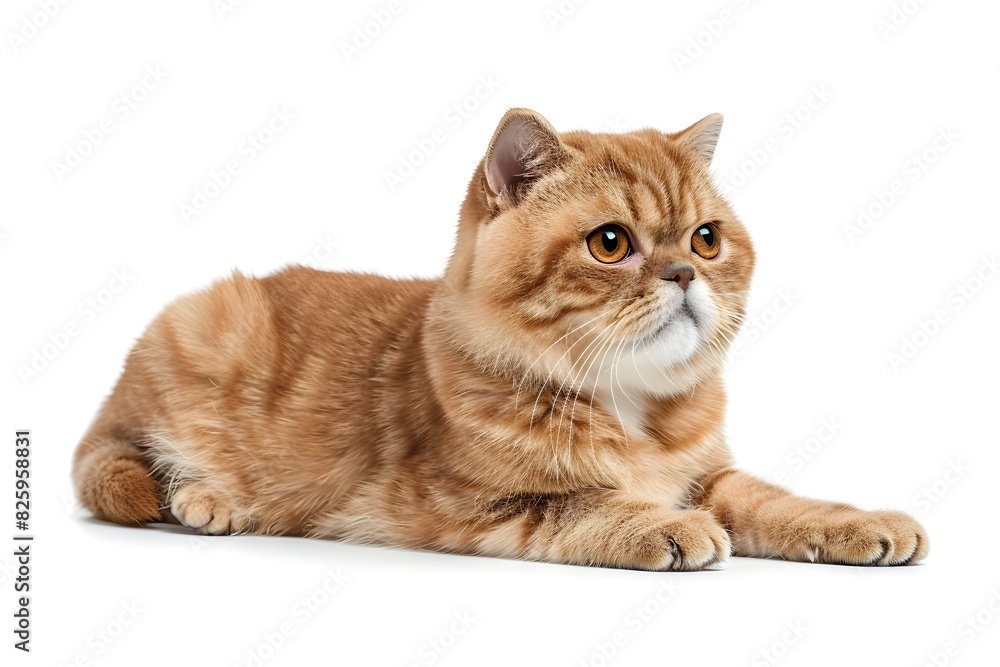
point(524, 147)
point(702, 137)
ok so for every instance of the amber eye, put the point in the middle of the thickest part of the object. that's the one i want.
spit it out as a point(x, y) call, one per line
point(706, 240)
point(609, 244)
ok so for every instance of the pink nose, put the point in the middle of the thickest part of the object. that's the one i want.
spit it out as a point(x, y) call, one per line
point(682, 274)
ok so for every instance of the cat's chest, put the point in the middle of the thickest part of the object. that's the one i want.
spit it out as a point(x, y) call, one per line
point(629, 411)
point(666, 444)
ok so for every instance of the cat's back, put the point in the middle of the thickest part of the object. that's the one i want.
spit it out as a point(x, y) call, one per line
point(310, 302)
point(299, 326)
point(343, 322)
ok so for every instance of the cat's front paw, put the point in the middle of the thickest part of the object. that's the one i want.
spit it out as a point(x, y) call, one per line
point(855, 537)
point(205, 509)
point(687, 540)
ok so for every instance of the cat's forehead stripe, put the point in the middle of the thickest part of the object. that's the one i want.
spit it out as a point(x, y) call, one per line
point(617, 169)
point(647, 202)
point(633, 206)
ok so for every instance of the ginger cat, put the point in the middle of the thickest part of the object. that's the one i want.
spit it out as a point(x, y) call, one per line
point(556, 395)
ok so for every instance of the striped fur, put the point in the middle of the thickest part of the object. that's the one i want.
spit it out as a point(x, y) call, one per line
point(532, 403)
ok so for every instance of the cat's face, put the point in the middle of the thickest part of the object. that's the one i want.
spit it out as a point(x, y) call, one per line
point(595, 259)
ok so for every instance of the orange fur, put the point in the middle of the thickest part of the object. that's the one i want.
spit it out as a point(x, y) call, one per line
point(532, 403)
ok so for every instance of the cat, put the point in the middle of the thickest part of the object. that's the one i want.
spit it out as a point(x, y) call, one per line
point(555, 396)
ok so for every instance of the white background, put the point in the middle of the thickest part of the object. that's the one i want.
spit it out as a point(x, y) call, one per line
point(898, 428)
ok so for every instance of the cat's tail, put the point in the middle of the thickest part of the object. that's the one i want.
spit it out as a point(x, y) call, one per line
point(111, 474)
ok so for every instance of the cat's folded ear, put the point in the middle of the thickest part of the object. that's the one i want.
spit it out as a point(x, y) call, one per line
point(524, 148)
point(702, 137)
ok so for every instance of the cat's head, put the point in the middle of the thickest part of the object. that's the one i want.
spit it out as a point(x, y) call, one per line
point(590, 259)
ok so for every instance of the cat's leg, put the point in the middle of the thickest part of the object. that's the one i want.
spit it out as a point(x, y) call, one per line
point(600, 527)
point(768, 521)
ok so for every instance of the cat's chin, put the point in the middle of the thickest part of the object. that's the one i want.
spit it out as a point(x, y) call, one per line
point(672, 344)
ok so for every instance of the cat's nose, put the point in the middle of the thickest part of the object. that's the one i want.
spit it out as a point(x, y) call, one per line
point(682, 274)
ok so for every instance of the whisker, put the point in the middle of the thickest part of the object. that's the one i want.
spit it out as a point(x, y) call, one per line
point(607, 349)
point(570, 376)
point(583, 374)
point(614, 366)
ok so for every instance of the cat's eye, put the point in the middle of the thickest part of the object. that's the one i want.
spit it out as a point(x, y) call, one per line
point(609, 244)
point(706, 240)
